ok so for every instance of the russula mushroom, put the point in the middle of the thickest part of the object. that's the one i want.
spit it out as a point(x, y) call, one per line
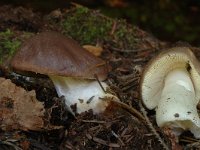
point(171, 84)
point(71, 68)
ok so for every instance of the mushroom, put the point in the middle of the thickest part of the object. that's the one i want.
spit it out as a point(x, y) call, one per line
point(71, 68)
point(171, 84)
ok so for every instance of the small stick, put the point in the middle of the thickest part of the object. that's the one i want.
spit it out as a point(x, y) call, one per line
point(10, 144)
point(103, 142)
point(100, 83)
point(127, 107)
point(195, 145)
point(117, 136)
point(130, 51)
point(93, 121)
point(153, 130)
point(113, 28)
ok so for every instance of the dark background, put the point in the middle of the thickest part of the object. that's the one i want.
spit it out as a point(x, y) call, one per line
point(168, 20)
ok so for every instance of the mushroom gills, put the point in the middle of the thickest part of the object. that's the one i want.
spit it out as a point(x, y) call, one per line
point(177, 107)
point(85, 93)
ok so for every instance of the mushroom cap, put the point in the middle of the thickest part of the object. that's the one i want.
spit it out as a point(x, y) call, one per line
point(52, 53)
point(153, 77)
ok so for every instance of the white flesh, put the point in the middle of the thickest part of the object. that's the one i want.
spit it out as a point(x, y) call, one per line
point(177, 106)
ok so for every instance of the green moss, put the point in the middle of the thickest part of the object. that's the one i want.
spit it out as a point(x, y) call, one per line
point(84, 27)
point(8, 45)
point(124, 35)
point(89, 26)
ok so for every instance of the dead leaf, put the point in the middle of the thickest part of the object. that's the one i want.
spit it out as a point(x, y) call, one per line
point(173, 138)
point(25, 145)
point(19, 109)
point(117, 3)
point(95, 50)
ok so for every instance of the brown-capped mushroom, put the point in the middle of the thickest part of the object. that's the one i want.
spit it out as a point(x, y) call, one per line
point(171, 85)
point(71, 68)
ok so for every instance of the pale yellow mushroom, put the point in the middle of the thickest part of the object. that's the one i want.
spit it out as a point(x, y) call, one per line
point(170, 84)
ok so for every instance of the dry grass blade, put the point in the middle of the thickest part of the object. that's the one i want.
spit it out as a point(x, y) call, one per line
point(93, 121)
point(15, 147)
point(132, 110)
point(152, 128)
point(100, 83)
point(195, 145)
point(130, 50)
point(118, 137)
point(103, 142)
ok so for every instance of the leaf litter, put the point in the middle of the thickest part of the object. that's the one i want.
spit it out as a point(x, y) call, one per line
point(19, 109)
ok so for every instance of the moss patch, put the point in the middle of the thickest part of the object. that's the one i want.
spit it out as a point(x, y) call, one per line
point(83, 26)
point(8, 45)
point(89, 27)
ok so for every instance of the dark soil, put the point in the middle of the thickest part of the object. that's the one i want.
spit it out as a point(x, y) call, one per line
point(117, 127)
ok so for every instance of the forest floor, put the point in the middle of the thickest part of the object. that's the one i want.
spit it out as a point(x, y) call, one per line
point(125, 47)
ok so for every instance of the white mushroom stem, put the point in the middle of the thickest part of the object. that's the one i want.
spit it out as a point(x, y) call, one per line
point(86, 94)
point(177, 107)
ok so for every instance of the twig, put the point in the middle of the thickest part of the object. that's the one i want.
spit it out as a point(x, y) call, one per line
point(69, 146)
point(152, 128)
point(100, 83)
point(130, 51)
point(15, 147)
point(103, 142)
point(192, 146)
point(127, 107)
point(117, 136)
point(127, 87)
point(93, 121)
point(38, 145)
point(113, 28)
point(189, 139)
point(129, 139)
